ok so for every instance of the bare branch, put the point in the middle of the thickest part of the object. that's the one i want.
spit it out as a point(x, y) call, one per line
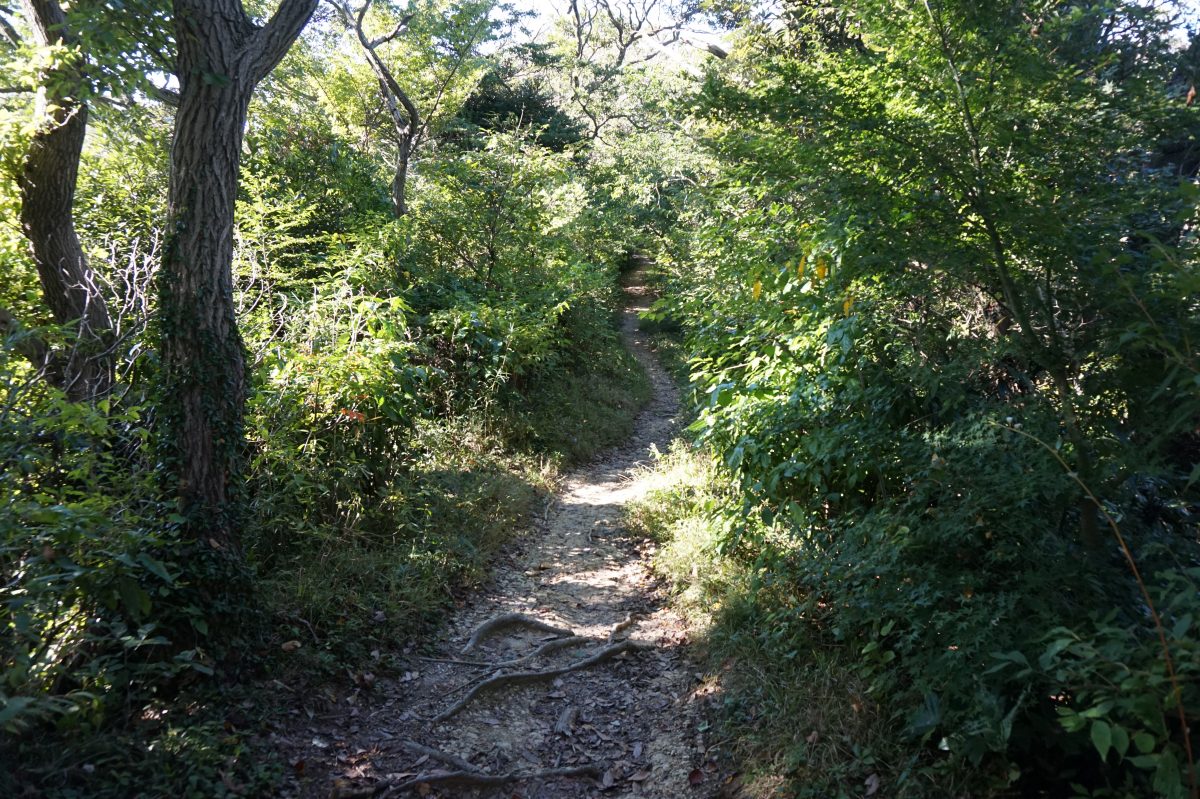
point(629, 26)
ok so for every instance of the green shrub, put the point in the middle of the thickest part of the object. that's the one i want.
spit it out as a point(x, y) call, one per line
point(919, 377)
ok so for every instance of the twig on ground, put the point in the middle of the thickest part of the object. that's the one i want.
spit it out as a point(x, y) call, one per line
point(620, 627)
point(508, 620)
point(455, 661)
point(438, 755)
point(520, 677)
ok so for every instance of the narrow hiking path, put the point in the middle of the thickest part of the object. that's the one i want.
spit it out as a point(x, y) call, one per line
point(621, 722)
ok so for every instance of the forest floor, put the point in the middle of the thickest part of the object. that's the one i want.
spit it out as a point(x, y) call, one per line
point(589, 687)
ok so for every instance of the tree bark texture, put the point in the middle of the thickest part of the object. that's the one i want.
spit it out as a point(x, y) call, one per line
point(400, 176)
point(46, 183)
point(222, 57)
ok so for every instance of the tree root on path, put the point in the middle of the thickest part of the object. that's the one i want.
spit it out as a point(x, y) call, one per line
point(509, 620)
point(483, 779)
point(546, 648)
point(521, 677)
point(438, 755)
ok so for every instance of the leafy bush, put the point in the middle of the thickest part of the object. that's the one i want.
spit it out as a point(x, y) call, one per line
point(414, 385)
point(941, 324)
point(98, 608)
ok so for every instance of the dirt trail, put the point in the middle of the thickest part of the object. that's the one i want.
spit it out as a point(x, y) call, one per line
point(632, 716)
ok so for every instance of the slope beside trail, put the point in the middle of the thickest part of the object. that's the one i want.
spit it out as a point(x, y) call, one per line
point(628, 724)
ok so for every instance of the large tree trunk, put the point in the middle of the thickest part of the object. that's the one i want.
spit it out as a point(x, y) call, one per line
point(222, 57)
point(46, 183)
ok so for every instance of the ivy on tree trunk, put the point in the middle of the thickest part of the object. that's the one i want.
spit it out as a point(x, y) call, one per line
point(222, 57)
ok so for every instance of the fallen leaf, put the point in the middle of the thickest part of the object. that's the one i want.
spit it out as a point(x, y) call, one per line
point(423, 788)
point(566, 720)
point(872, 783)
point(695, 777)
point(637, 750)
point(641, 775)
point(290, 646)
point(813, 737)
point(606, 780)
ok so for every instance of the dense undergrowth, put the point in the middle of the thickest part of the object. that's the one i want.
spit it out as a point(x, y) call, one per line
point(416, 384)
point(940, 315)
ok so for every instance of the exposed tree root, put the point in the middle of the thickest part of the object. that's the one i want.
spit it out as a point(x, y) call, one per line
point(546, 648)
point(508, 620)
point(438, 755)
point(481, 779)
point(479, 664)
point(522, 677)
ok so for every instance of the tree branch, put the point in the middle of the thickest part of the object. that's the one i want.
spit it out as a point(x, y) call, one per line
point(393, 94)
point(271, 42)
point(396, 31)
point(166, 96)
point(7, 31)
